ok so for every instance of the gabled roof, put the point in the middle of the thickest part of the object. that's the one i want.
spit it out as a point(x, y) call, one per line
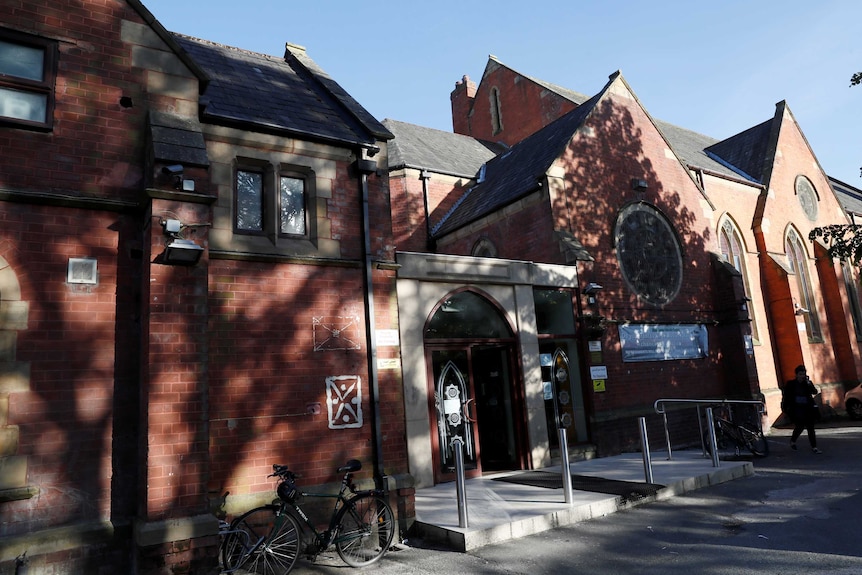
point(517, 172)
point(689, 146)
point(441, 152)
point(288, 95)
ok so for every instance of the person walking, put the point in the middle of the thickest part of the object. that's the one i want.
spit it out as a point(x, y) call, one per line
point(797, 401)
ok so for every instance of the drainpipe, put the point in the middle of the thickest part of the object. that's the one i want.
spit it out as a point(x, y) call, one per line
point(429, 243)
point(367, 166)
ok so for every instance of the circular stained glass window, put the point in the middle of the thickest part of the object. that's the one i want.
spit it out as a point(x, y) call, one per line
point(807, 197)
point(649, 254)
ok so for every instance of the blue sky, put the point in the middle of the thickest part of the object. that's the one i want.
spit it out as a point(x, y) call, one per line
point(717, 68)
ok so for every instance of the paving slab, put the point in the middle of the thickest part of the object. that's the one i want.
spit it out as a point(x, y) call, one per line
point(498, 511)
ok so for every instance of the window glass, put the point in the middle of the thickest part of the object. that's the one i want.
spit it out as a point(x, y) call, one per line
point(22, 61)
point(249, 201)
point(467, 315)
point(27, 79)
point(732, 251)
point(649, 254)
point(806, 307)
point(23, 105)
point(554, 311)
point(292, 201)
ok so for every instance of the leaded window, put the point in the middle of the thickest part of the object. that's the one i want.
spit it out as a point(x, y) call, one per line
point(733, 252)
point(648, 253)
point(805, 307)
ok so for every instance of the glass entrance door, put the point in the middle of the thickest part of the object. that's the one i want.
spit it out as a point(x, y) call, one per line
point(473, 401)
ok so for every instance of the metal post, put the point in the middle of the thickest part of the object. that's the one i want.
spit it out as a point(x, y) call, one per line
point(460, 485)
point(667, 437)
point(564, 467)
point(645, 450)
point(710, 426)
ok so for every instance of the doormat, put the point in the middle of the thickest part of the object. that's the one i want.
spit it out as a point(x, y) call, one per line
point(628, 490)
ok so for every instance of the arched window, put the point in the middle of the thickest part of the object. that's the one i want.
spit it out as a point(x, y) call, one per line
point(484, 248)
point(466, 314)
point(806, 306)
point(649, 253)
point(733, 252)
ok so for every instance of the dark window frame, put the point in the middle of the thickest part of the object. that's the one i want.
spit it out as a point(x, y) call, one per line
point(45, 87)
point(270, 199)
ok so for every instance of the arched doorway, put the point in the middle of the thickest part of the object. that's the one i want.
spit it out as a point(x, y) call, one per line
point(473, 386)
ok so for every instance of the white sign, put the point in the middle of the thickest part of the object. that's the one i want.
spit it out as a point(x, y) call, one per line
point(598, 372)
point(387, 337)
point(662, 342)
point(594, 345)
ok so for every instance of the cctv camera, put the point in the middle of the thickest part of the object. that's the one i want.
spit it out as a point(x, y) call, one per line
point(174, 170)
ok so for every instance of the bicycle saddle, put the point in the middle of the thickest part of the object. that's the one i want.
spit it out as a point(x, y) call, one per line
point(352, 466)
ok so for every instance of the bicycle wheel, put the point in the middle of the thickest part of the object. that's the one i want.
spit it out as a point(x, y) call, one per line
point(365, 530)
point(262, 541)
point(755, 442)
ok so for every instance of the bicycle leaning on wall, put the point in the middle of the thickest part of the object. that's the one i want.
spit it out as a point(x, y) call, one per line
point(267, 540)
point(746, 434)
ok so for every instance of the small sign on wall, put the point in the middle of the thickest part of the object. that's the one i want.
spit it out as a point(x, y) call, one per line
point(599, 375)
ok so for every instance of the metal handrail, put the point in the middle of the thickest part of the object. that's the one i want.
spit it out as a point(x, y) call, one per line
point(659, 407)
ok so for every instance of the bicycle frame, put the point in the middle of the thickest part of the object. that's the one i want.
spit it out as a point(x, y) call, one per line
point(325, 538)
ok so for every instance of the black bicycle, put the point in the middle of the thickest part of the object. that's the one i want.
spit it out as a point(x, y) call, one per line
point(267, 540)
point(748, 435)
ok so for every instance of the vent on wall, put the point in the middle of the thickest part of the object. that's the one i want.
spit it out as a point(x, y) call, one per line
point(82, 271)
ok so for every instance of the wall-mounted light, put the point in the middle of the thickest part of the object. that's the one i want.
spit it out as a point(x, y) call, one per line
point(639, 185)
point(591, 290)
point(179, 251)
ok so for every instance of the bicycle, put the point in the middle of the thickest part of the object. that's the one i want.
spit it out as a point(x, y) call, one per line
point(268, 540)
point(748, 436)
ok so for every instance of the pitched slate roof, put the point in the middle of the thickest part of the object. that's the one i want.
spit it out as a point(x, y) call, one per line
point(441, 152)
point(745, 151)
point(516, 172)
point(283, 95)
point(849, 197)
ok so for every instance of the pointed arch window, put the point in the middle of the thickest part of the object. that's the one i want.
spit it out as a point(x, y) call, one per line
point(806, 304)
point(733, 252)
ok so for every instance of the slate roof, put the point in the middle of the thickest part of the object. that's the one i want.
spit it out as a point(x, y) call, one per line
point(283, 95)
point(746, 151)
point(849, 197)
point(441, 152)
point(177, 139)
point(517, 171)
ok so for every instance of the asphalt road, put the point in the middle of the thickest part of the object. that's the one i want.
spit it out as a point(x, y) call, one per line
point(799, 514)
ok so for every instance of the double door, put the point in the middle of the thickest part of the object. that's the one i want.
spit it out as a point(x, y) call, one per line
point(474, 401)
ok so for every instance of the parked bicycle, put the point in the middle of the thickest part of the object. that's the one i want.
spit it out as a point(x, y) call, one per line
point(267, 540)
point(748, 435)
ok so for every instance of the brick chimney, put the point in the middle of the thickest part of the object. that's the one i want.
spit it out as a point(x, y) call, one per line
point(462, 105)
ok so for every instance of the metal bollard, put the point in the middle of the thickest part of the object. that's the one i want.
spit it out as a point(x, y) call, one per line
point(645, 450)
point(460, 485)
point(564, 467)
point(713, 444)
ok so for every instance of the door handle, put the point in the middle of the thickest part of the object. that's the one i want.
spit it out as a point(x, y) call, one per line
point(465, 407)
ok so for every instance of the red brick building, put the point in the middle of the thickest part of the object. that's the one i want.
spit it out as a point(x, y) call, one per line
point(623, 259)
point(194, 276)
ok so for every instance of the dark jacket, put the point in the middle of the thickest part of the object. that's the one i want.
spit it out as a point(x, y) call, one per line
point(797, 401)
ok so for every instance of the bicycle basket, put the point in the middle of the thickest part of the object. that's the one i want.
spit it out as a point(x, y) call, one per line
point(287, 491)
